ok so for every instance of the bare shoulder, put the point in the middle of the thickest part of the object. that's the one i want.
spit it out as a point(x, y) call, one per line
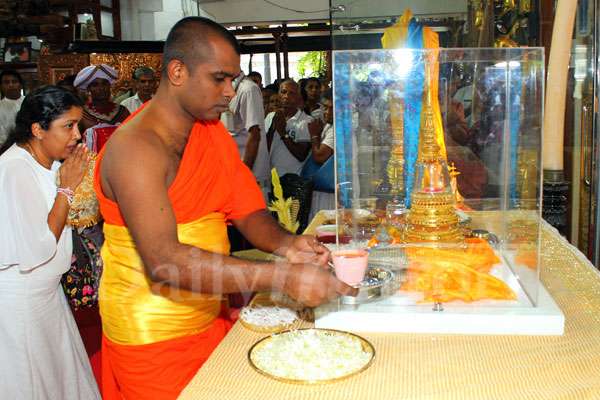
point(134, 152)
point(133, 143)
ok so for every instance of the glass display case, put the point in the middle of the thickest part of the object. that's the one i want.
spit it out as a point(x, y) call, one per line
point(438, 174)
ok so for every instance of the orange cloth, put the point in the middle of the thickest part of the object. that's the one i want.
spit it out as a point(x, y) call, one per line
point(154, 354)
point(455, 273)
point(157, 371)
point(211, 178)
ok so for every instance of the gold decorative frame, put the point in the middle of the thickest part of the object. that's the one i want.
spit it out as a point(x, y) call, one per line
point(53, 68)
point(125, 64)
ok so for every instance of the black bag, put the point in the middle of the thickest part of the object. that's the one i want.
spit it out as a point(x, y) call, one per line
point(300, 189)
point(80, 283)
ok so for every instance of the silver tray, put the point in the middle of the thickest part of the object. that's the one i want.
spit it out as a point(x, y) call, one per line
point(378, 283)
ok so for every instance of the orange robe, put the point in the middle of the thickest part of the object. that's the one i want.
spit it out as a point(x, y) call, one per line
point(155, 339)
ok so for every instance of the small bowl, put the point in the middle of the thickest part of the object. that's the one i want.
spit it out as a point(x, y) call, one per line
point(326, 230)
point(350, 265)
point(265, 329)
point(326, 234)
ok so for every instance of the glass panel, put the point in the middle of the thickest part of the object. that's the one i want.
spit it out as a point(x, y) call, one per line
point(106, 3)
point(582, 166)
point(86, 27)
point(438, 170)
point(85, 18)
point(106, 19)
point(359, 24)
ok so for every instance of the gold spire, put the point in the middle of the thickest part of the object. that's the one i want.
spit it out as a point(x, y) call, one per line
point(429, 150)
point(432, 216)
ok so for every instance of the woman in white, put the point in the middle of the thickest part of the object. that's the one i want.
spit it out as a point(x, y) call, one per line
point(42, 355)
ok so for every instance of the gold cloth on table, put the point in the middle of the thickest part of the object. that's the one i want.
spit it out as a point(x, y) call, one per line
point(440, 367)
point(447, 274)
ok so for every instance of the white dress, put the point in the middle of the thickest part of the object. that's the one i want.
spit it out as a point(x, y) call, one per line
point(41, 353)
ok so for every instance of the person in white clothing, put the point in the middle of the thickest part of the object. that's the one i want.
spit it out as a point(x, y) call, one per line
point(245, 120)
point(288, 139)
point(322, 141)
point(257, 78)
point(42, 354)
point(145, 85)
point(11, 86)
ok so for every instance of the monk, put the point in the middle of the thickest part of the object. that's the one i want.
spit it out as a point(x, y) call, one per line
point(168, 182)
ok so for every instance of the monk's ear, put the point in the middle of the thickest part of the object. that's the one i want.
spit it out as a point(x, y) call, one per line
point(177, 72)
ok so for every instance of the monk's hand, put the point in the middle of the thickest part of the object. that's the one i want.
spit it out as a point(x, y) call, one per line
point(306, 249)
point(311, 285)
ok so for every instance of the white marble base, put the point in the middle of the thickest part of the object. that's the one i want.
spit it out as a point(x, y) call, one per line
point(398, 314)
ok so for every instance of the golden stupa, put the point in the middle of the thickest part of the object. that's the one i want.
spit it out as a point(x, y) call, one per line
point(432, 216)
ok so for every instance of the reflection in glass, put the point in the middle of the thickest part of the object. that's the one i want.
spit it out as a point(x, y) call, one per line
point(106, 19)
point(437, 164)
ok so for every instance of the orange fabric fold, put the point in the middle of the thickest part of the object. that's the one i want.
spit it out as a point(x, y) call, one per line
point(211, 178)
point(157, 371)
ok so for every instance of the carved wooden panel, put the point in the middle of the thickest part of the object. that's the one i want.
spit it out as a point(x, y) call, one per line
point(54, 67)
point(125, 64)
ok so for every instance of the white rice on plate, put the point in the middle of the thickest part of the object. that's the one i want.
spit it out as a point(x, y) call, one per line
point(310, 355)
point(268, 317)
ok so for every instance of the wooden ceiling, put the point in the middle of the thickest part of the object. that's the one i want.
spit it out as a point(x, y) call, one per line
point(39, 18)
point(53, 21)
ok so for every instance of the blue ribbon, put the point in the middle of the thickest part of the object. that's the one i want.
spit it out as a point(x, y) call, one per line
point(343, 128)
point(412, 107)
point(514, 83)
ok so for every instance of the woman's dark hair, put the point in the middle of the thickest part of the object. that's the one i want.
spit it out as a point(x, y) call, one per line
point(305, 84)
point(42, 106)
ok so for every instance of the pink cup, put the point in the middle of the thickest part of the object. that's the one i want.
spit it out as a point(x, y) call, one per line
point(350, 265)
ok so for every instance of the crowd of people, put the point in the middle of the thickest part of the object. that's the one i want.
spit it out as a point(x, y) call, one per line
point(165, 250)
point(186, 155)
point(288, 108)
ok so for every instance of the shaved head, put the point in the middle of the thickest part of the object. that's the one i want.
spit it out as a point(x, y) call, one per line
point(188, 41)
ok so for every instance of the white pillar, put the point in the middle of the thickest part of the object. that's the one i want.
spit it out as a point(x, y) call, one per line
point(267, 75)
